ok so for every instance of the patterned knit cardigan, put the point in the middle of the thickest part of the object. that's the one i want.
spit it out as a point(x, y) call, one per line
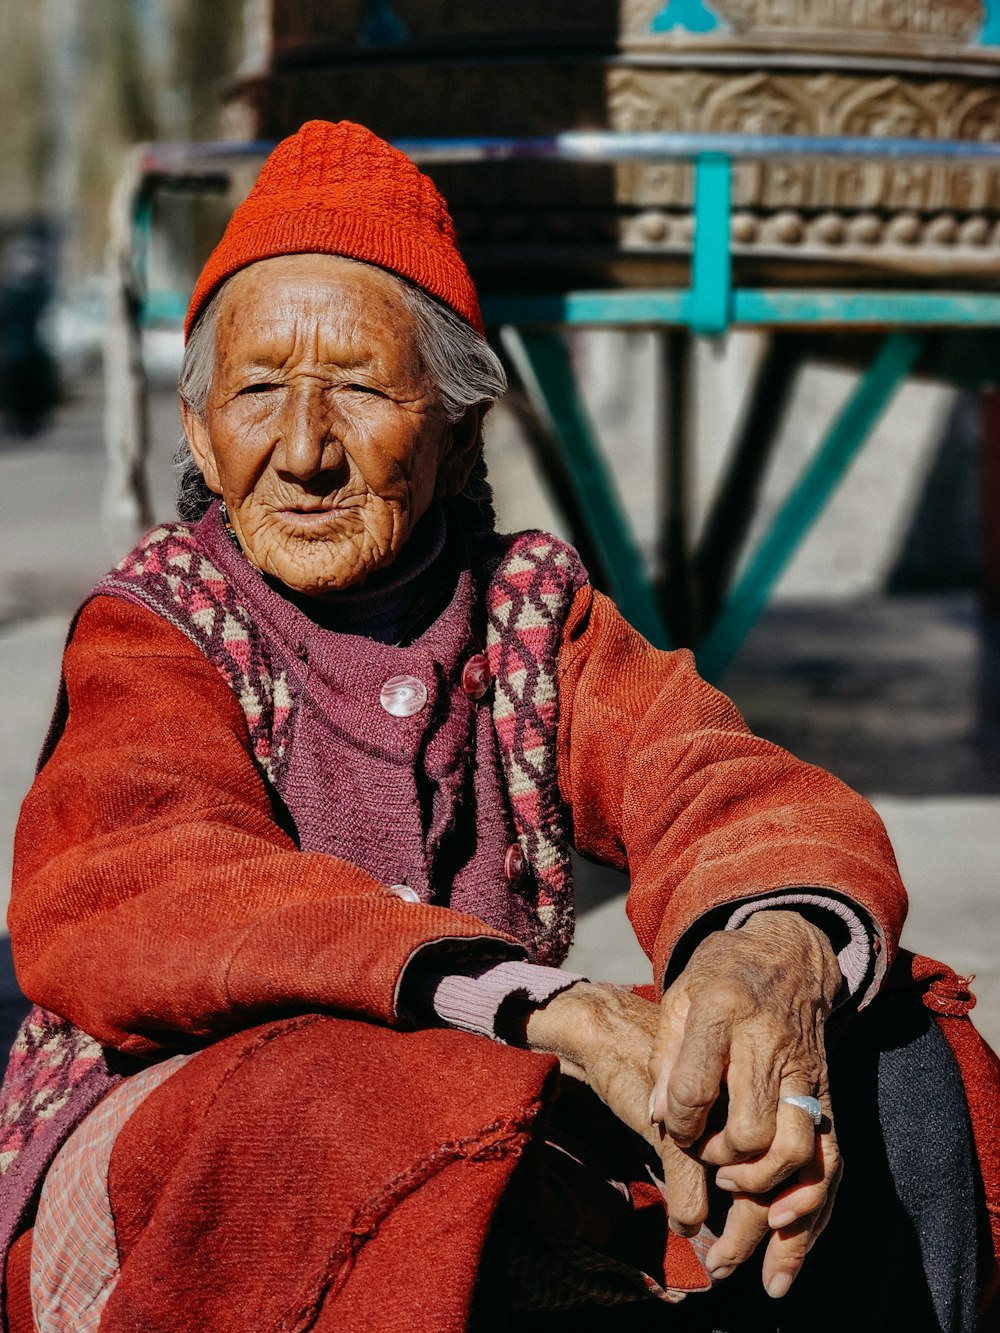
point(57, 1074)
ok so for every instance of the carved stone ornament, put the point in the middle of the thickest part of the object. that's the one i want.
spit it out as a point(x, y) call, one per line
point(298, 22)
point(813, 104)
point(958, 20)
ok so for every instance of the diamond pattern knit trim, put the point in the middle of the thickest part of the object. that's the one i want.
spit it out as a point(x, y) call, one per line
point(169, 574)
point(527, 602)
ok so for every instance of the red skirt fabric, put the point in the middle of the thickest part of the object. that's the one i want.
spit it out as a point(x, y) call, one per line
point(321, 1172)
point(316, 1173)
point(18, 1285)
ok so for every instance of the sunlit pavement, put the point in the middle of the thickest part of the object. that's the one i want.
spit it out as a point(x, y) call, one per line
point(900, 697)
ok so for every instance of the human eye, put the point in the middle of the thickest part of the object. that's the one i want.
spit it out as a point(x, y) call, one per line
point(258, 386)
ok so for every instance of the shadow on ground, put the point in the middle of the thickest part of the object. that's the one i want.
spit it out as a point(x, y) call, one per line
point(897, 696)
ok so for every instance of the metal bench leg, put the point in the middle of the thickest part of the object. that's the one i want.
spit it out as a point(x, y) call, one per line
point(728, 522)
point(822, 474)
point(543, 365)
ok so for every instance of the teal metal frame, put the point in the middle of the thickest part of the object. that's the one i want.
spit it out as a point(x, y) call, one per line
point(542, 362)
point(709, 307)
point(806, 501)
point(528, 328)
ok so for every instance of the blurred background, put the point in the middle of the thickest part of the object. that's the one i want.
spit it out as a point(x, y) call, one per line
point(878, 653)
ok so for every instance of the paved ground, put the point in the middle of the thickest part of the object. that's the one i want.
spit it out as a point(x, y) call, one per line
point(900, 697)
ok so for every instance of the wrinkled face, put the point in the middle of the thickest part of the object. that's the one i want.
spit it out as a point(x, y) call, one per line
point(322, 433)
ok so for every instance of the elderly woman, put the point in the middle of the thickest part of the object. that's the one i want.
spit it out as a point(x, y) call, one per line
point(293, 889)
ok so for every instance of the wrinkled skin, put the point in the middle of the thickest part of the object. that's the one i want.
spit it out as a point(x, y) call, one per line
point(323, 433)
point(746, 1019)
point(327, 442)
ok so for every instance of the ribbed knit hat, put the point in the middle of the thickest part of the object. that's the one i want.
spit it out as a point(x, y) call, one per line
point(340, 190)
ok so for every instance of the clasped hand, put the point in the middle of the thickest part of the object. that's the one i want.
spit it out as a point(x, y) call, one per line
point(701, 1075)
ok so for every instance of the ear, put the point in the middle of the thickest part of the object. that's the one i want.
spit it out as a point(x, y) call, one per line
point(462, 451)
point(198, 440)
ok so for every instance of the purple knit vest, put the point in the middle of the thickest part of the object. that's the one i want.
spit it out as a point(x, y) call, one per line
point(310, 700)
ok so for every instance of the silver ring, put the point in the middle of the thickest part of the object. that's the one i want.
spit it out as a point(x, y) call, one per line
point(812, 1106)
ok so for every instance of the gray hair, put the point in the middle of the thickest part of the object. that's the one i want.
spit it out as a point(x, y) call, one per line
point(461, 365)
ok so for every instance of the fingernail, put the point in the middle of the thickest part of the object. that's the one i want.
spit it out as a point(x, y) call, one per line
point(717, 1274)
point(780, 1220)
point(724, 1183)
point(778, 1286)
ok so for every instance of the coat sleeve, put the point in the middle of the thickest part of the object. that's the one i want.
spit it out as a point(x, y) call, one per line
point(157, 901)
point(663, 777)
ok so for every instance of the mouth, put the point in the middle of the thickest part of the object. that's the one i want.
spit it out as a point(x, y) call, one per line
point(308, 517)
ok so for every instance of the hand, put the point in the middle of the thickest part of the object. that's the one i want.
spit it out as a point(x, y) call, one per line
point(747, 1014)
point(603, 1037)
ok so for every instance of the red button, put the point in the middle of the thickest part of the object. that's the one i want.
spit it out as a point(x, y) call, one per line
point(513, 863)
point(476, 676)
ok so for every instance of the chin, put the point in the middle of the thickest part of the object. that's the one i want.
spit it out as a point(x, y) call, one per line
point(319, 577)
point(307, 561)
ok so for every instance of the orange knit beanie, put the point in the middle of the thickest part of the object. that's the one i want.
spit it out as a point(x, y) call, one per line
point(340, 190)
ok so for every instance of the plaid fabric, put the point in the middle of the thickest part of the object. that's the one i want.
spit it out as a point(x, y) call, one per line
point(74, 1258)
point(55, 1076)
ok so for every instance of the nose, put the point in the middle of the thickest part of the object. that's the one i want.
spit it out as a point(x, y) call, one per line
point(310, 442)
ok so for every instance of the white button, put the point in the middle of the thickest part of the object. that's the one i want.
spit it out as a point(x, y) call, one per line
point(402, 696)
point(404, 891)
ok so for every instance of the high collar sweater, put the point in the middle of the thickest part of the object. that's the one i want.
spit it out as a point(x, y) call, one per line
point(398, 604)
point(416, 801)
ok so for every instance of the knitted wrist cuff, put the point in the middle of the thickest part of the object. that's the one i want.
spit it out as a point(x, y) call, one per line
point(472, 1001)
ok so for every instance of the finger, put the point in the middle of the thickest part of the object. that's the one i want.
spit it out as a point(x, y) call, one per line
point(692, 1085)
point(746, 1226)
point(790, 1244)
point(819, 1226)
point(807, 1196)
point(669, 1039)
point(783, 1257)
point(714, 1149)
point(793, 1146)
point(685, 1189)
point(750, 1218)
point(752, 1079)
